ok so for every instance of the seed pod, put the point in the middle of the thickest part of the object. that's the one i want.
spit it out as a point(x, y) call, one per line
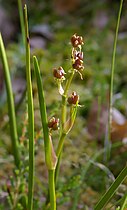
point(74, 98)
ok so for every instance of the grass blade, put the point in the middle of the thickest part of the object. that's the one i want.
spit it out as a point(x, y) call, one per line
point(42, 110)
point(124, 205)
point(30, 116)
point(108, 143)
point(111, 191)
point(50, 156)
point(11, 106)
point(21, 20)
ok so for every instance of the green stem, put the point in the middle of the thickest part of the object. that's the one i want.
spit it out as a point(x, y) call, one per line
point(108, 146)
point(63, 120)
point(30, 116)
point(52, 189)
point(11, 106)
point(60, 145)
point(63, 112)
point(21, 20)
point(111, 191)
point(57, 168)
point(68, 82)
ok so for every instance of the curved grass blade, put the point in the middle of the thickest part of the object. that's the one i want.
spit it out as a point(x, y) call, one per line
point(50, 156)
point(84, 170)
point(111, 191)
point(30, 116)
point(11, 106)
point(43, 112)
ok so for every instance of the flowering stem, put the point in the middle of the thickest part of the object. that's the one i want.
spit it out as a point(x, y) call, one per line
point(63, 120)
point(68, 82)
point(60, 144)
point(51, 174)
point(63, 113)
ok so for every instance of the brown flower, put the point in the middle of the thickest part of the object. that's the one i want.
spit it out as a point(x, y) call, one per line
point(78, 65)
point(53, 123)
point(77, 55)
point(58, 73)
point(76, 41)
point(74, 98)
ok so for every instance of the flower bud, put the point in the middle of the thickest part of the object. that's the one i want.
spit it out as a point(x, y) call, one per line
point(53, 123)
point(74, 98)
point(78, 64)
point(58, 73)
point(80, 40)
point(77, 55)
point(76, 41)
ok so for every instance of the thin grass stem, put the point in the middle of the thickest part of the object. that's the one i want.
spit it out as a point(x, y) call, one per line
point(11, 106)
point(108, 143)
point(30, 116)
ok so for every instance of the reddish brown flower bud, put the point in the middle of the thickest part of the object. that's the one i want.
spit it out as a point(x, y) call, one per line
point(74, 98)
point(77, 55)
point(76, 40)
point(78, 65)
point(80, 55)
point(80, 40)
point(53, 123)
point(58, 73)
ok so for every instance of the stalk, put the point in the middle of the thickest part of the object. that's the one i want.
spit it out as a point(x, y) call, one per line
point(30, 116)
point(11, 106)
point(108, 143)
point(63, 120)
point(60, 145)
point(52, 189)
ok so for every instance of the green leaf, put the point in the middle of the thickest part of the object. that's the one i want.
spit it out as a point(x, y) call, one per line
point(11, 106)
point(111, 191)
